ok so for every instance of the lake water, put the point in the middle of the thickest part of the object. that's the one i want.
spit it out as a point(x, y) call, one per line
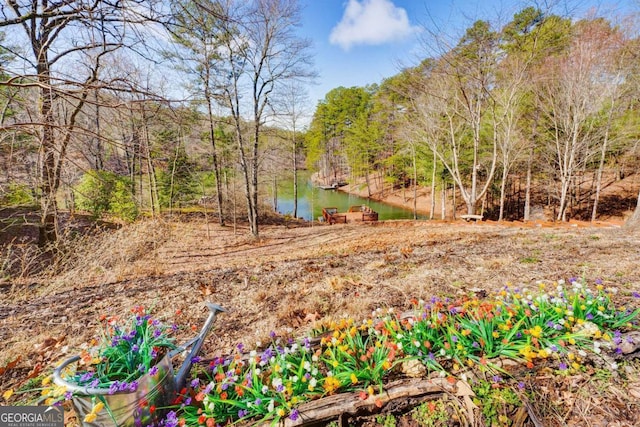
point(312, 199)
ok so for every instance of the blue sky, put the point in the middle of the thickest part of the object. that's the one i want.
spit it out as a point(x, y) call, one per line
point(360, 42)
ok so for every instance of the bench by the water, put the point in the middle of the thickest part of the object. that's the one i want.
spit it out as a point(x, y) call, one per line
point(472, 217)
point(355, 213)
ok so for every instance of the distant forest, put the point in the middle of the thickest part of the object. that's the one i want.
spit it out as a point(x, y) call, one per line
point(539, 113)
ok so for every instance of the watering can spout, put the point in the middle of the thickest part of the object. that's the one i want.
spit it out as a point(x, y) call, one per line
point(196, 345)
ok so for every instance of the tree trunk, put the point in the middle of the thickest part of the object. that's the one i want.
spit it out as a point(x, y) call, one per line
point(527, 197)
point(633, 222)
point(48, 204)
point(503, 185)
point(214, 152)
point(415, 186)
point(603, 154)
point(295, 175)
point(433, 187)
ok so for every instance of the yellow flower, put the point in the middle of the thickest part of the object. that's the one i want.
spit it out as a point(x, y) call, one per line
point(572, 341)
point(335, 363)
point(575, 365)
point(7, 394)
point(331, 384)
point(354, 379)
point(98, 407)
point(281, 412)
point(90, 417)
point(466, 332)
point(46, 381)
point(495, 334)
point(536, 331)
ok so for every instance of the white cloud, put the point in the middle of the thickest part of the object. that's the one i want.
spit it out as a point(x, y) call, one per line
point(371, 22)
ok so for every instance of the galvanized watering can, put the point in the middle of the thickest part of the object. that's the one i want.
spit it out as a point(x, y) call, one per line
point(143, 406)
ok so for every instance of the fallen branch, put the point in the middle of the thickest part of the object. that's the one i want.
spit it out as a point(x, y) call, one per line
point(332, 407)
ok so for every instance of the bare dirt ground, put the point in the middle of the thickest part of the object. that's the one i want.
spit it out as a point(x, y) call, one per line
point(294, 275)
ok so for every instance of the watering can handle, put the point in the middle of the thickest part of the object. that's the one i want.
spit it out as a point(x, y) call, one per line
point(197, 342)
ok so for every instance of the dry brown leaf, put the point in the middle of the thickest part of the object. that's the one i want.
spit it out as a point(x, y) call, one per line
point(10, 365)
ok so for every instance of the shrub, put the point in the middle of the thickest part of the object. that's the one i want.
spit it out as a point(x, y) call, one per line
point(17, 195)
point(102, 191)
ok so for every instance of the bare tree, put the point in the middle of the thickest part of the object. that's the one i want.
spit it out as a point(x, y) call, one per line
point(453, 106)
point(261, 51)
point(572, 92)
point(196, 30)
point(65, 48)
point(292, 102)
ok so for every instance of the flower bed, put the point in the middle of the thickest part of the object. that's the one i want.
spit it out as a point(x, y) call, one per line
point(558, 325)
point(556, 322)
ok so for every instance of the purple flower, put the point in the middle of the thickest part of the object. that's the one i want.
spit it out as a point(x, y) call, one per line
point(153, 371)
point(242, 413)
point(94, 383)
point(133, 386)
point(68, 395)
point(196, 359)
point(258, 402)
point(135, 348)
point(280, 388)
point(589, 316)
point(598, 281)
point(86, 377)
point(636, 295)
point(171, 419)
point(294, 415)
point(454, 338)
point(114, 387)
point(272, 334)
point(195, 383)
point(521, 385)
point(240, 347)
point(208, 388)
point(224, 386)
point(563, 366)
point(157, 333)
point(123, 386)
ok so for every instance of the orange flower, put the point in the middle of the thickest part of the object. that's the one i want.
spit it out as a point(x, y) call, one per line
point(201, 419)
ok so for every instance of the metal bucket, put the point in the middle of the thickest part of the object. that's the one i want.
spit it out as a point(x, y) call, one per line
point(141, 407)
point(144, 406)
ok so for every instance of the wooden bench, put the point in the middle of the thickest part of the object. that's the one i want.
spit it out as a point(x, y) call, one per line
point(471, 217)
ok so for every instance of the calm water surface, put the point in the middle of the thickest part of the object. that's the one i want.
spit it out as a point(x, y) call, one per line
point(311, 200)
